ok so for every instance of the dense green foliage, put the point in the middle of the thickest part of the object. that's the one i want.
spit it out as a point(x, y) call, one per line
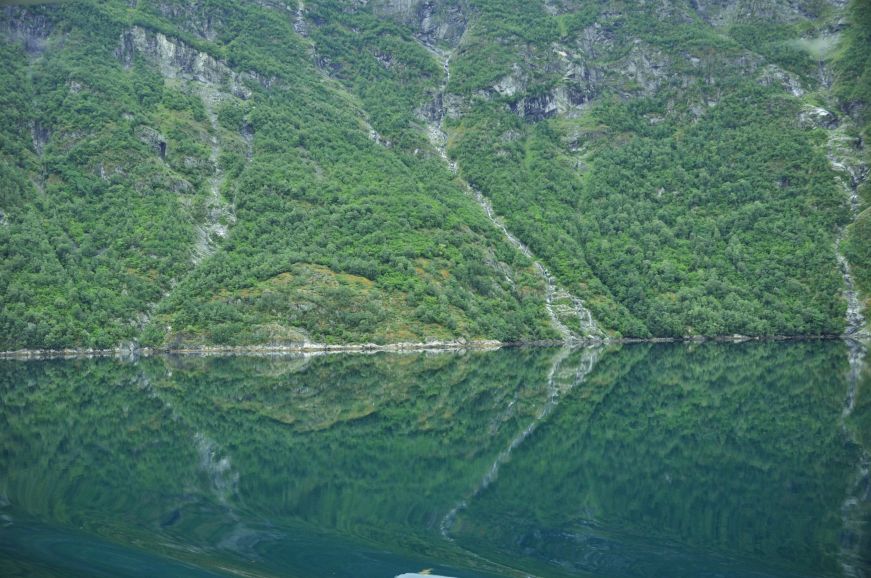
point(112, 239)
point(701, 206)
point(858, 251)
point(853, 87)
point(92, 228)
point(703, 229)
point(269, 178)
point(853, 63)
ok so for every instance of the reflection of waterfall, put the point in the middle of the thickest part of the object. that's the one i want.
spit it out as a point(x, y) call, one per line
point(558, 384)
point(225, 485)
point(859, 491)
point(224, 480)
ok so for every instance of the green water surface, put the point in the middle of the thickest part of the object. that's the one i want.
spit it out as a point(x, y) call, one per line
point(637, 461)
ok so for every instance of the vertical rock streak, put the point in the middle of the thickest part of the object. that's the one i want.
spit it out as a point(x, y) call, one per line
point(218, 212)
point(851, 173)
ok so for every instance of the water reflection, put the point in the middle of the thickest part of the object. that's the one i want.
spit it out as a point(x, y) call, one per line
point(559, 383)
point(683, 461)
point(678, 460)
point(855, 541)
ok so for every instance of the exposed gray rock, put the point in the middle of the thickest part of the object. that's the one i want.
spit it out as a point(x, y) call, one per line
point(536, 108)
point(571, 99)
point(177, 59)
point(299, 24)
point(194, 163)
point(433, 21)
point(40, 135)
point(646, 67)
point(724, 13)
point(510, 135)
point(643, 70)
point(386, 59)
point(197, 17)
point(815, 116)
point(595, 41)
point(773, 75)
point(512, 84)
point(563, 100)
point(434, 110)
point(152, 138)
point(179, 185)
point(220, 215)
point(30, 29)
point(455, 106)
point(247, 132)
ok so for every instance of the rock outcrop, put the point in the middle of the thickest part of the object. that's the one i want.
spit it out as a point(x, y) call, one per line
point(30, 29)
point(434, 22)
point(177, 59)
point(155, 141)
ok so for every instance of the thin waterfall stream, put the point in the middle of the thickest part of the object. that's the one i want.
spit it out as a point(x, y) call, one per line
point(559, 302)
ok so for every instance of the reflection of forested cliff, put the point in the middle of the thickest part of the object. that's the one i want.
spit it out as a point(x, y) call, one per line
point(357, 439)
point(186, 450)
point(653, 460)
point(730, 449)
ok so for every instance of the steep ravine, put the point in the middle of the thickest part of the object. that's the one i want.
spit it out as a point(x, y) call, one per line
point(560, 303)
point(851, 173)
point(206, 77)
point(218, 214)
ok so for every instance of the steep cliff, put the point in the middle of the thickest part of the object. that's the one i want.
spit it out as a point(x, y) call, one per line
point(180, 173)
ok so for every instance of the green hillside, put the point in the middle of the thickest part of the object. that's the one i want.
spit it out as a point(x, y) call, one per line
point(232, 172)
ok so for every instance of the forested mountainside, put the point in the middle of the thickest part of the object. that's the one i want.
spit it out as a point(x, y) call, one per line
point(177, 173)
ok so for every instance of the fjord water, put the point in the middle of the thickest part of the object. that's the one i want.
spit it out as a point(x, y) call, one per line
point(646, 460)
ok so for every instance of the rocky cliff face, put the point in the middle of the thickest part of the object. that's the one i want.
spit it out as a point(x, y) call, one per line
point(612, 56)
point(434, 22)
point(178, 60)
point(727, 12)
point(216, 84)
point(31, 30)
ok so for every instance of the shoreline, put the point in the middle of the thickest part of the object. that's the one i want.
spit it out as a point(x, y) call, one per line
point(431, 346)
